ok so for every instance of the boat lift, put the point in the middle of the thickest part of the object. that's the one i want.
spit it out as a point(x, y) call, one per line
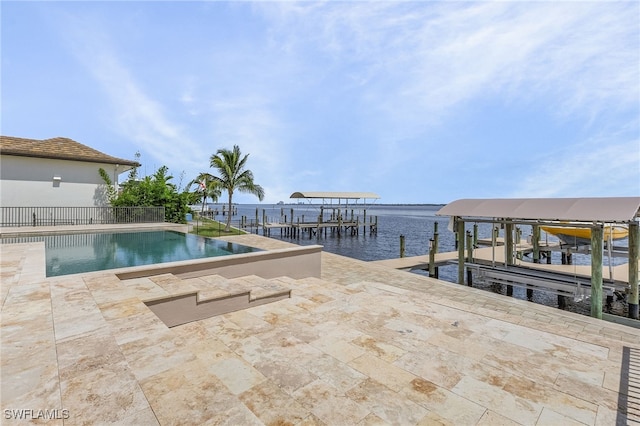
point(592, 214)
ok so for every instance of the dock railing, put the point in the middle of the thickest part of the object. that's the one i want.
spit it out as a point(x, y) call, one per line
point(57, 216)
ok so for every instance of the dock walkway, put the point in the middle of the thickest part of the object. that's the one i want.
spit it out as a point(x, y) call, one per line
point(317, 228)
point(489, 255)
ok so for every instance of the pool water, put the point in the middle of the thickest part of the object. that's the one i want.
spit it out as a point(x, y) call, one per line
point(77, 253)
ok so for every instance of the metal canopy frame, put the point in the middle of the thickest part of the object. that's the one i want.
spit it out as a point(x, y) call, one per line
point(592, 212)
point(329, 195)
point(526, 210)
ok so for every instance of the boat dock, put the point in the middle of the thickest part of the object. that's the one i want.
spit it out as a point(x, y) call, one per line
point(318, 228)
point(331, 219)
point(493, 257)
point(587, 222)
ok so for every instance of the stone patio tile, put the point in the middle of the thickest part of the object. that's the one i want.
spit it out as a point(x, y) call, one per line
point(551, 418)
point(462, 342)
point(144, 417)
point(607, 416)
point(154, 354)
point(589, 392)
point(128, 329)
point(338, 348)
point(144, 288)
point(329, 405)
point(373, 420)
point(288, 376)
point(379, 348)
point(388, 405)
point(28, 293)
point(302, 331)
point(246, 319)
point(612, 377)
point(30, 314)
point(273, 406)
point(227, 331)
point(281, 344)
point(251, 349)
point(196, 397)
point(66, 327)
point(524, 362)
point(518, 409)
point(172, 284)
point(446, 404)
point(106, 286)
point(336, 373)
point(29, 386)
point(547, 342)
point(433, 363)
point(491, 418)
point(236, 374)
point(390, 375)
point(484, 372)
point(122, 308)
point(102, 396)
point(558, 402)
point(88, 352)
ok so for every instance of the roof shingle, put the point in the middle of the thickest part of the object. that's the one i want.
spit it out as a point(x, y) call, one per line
point(57, 148)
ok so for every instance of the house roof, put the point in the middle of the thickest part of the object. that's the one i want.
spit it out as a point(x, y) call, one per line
point(335, 195)
point(604, 209)
point(59, 149)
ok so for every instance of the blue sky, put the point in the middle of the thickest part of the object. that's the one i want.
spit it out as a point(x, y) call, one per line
point(420, 102)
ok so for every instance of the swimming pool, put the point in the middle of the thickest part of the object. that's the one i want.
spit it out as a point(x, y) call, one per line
point(77, 253)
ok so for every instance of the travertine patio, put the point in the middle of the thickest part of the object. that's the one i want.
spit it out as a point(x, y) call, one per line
point(363, 344)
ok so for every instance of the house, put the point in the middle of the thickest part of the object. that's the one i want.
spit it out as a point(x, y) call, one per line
point(57, 172)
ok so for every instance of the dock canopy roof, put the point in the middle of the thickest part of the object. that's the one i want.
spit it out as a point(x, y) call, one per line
point(335, 195)
point(604, 209)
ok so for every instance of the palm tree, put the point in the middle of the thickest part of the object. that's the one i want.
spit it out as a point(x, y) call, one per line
point(209, 186)
point(230, 165)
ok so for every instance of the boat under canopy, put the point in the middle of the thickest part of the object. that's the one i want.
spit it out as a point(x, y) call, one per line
point(582, 236)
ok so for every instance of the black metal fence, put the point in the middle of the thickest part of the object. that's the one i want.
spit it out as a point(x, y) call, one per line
point(56, 216)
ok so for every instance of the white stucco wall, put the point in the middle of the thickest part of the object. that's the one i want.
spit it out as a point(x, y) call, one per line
point(29, 182)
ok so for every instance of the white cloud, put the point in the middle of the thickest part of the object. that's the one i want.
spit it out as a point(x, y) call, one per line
point(427, 57)
point(140, 119)
point(590, 168)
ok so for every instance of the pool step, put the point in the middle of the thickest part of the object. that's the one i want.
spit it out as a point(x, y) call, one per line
point(194, 299)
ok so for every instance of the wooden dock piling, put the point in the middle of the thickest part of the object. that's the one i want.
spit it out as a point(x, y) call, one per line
point(432, 258)
point(509, 253)
point(460, 246)
point(469, 258)
point(634, 255)
point(597, 236)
